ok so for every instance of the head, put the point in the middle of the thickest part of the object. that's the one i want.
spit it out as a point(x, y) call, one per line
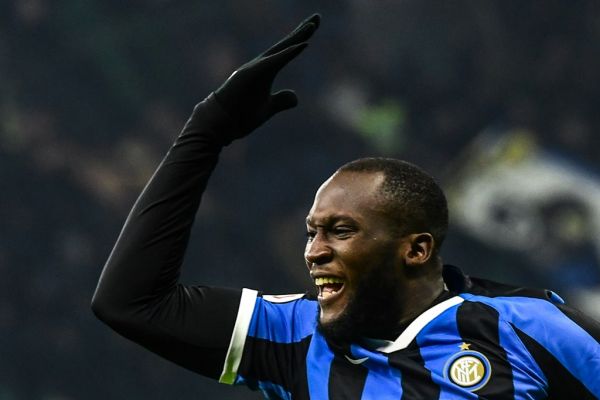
point(374, 233)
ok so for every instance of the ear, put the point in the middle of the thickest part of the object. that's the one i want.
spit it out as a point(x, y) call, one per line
point(418, 249)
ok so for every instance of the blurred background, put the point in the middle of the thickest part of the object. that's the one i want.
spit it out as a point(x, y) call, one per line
point(496, 99)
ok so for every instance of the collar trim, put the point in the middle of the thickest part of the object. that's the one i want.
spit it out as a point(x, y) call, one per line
point(418, 324)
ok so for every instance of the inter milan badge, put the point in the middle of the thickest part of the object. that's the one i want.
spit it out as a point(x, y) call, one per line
point(468, 369)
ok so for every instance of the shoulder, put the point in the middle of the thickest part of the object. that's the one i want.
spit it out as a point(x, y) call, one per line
point(286, 298)
point(292, 304)
point(508, 300)
point(283, 318)
point(460, 283)
point(520, 306)
point(561, 343)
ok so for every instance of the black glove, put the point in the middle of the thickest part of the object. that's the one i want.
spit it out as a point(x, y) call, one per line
point(246, 95)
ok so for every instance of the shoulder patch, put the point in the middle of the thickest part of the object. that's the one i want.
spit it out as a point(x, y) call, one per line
point(282, 298)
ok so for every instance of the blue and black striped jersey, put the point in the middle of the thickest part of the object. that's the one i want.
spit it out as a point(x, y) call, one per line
point(487, 341)
point(483, 340)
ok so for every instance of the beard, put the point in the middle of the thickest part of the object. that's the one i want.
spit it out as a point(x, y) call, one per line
point(373, 311)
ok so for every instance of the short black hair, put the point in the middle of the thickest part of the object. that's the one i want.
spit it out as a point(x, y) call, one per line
point(416, 200)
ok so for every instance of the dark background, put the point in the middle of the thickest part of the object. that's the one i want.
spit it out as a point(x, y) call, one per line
point(93, 92)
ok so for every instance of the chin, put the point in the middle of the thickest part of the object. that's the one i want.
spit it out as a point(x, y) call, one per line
point(328, 316)
point(338, 327)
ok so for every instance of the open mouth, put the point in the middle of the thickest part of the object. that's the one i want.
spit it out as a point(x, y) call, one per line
point(328, 286)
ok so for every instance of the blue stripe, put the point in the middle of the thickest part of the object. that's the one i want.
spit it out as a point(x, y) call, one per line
point(283, 322)
point(270, 390)
point(570, 344)
point(318, 365)
point(528, 379)
point(383, 382)
point(437, 341)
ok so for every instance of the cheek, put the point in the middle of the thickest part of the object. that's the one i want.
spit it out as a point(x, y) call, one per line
point(368, 256)
point(306, 250)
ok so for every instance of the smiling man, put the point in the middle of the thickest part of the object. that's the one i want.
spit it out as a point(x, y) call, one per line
point(389, 320)
point(373, 234)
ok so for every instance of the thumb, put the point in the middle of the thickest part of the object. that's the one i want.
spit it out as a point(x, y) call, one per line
point(282, 100)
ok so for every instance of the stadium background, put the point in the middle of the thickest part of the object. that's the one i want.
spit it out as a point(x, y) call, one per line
point(497, 99)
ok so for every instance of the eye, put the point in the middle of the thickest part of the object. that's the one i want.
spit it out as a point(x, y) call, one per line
point(310, 235)
point(343, 231)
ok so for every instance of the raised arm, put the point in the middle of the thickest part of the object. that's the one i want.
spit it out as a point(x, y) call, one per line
point(138, 294)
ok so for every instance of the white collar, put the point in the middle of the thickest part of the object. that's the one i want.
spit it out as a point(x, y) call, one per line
point(412, 330)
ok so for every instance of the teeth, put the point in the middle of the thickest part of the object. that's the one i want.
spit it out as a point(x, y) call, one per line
point(325, 280)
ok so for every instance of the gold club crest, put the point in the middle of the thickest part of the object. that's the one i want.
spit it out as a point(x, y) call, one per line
point(468, 369)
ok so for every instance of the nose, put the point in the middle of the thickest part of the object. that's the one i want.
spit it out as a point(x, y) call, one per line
point(317, 251)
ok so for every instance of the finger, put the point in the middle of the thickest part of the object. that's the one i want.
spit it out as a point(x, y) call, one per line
point(282, 100)
point(275, 62)
point(314, 19)
point(301, 34)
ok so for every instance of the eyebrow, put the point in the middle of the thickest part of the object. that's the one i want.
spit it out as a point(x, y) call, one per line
point(331, 219)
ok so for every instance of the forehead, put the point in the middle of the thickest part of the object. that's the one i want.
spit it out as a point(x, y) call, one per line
point(355, 194)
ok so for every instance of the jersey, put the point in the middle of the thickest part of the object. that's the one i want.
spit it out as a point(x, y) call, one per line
point(508, 343)
point(483, 339)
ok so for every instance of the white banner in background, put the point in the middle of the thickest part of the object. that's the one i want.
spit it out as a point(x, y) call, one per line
point(509, 193)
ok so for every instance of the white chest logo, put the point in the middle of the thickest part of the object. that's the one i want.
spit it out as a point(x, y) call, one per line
point(468, 369)
point(357, 361)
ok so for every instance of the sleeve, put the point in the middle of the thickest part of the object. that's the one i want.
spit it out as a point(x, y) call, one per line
point(138, 293)
point(270, 342)
point(565, 344)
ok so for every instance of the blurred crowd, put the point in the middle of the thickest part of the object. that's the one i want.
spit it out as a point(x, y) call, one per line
point(93, 92)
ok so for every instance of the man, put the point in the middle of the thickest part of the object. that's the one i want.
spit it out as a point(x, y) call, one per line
point(389, 321)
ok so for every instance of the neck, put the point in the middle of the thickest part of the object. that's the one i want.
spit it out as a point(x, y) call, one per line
point(419, 297)
point(421, 290)
point(416, 294)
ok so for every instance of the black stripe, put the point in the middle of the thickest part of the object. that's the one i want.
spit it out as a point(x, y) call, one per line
point(299, 376)
point(416, 379)
point(346, 380)
point(458, 282)
point(478, 326)
point(561, 383)
point(281, 363)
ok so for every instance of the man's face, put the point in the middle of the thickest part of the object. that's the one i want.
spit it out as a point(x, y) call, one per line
point(353, 254)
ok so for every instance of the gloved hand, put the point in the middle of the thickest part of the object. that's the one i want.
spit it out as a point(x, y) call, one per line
point(246, 95)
